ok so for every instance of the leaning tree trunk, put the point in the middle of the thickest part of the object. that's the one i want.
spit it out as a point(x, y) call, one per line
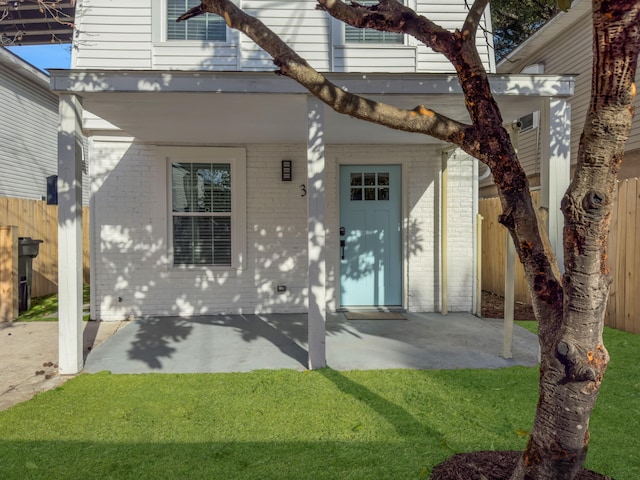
point(574, 358)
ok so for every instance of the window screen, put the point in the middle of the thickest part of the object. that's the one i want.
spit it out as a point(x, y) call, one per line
point(207, 27)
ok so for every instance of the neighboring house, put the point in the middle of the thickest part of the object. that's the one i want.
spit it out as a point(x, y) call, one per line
point(28, 129)
point(562, 46)
point(218, 187)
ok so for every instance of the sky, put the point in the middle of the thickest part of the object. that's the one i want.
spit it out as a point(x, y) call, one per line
point(45, 56)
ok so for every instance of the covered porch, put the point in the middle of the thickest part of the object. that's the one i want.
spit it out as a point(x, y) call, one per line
point(177, 108)
point(242, 343)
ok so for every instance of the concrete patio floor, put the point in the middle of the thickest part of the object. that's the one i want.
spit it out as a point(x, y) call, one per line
point(241, 343)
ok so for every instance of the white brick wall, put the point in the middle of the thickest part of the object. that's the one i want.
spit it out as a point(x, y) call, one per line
point(460, 232)
point(131, 271)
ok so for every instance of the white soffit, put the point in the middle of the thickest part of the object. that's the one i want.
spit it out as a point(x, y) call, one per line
point(237, 108)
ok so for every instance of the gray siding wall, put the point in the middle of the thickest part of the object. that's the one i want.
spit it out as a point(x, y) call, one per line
point(28, 136)
point(568, 53)
point(130, 34)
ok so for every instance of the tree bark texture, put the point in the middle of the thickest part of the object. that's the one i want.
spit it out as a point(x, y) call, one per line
point(574, 358)
point(569, 309)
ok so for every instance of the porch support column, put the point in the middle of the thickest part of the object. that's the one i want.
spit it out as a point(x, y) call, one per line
point(70, 235)
point(316, 234)
point(555, 173)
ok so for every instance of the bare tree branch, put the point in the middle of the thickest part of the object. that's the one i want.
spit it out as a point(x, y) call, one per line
point(474, 17)
point(391, 16)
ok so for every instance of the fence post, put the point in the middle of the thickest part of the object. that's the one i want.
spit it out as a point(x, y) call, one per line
point(8, 274)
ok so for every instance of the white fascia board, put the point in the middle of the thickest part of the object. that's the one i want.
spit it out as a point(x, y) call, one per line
point(22, 68)
point(136, 81)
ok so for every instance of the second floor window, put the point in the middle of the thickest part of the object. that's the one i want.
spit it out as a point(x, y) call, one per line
point(368, 35)
point(206, 27)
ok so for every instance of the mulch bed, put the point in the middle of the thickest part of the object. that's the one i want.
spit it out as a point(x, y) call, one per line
point(493, 307)
point(489, 465)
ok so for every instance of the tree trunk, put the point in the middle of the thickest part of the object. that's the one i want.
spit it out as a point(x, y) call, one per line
point(574, 358)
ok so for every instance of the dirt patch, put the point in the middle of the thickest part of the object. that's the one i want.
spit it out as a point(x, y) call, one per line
point(29, 356)
point(489, 465)
point(493, 307)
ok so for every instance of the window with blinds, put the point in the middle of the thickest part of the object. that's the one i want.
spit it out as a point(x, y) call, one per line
point(205, 27)
point(368, 35)
point(201, 198)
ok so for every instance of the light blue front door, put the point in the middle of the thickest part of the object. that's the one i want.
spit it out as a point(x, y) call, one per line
point(370, 235)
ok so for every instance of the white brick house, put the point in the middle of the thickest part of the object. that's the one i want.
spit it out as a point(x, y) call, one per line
point(191, 210)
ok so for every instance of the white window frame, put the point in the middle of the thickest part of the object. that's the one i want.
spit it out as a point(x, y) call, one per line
point(159, 28)
point(237, 158)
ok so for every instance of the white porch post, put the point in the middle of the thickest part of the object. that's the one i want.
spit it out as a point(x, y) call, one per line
point(316, 234)
point(70, 235)
point(555, 170)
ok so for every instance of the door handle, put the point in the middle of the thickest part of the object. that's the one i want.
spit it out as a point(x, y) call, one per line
point(342, 245)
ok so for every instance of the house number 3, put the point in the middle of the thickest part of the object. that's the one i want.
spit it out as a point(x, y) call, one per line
point(303, 189)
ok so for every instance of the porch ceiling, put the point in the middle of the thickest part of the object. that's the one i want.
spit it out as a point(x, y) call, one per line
point(234, 108)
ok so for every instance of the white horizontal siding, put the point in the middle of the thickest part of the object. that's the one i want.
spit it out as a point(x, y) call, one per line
point(128, 34)
point(387, 58)
point(528, 151)
point(208, 56)
point(28, 136)
point(449, 15)
point(113, 34)
point(303, 27)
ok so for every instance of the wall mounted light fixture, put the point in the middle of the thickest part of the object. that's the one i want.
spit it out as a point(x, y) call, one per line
point(287, 173)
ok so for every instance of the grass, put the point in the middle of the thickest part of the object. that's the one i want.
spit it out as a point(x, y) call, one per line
point(392, 424)
point(45, 309)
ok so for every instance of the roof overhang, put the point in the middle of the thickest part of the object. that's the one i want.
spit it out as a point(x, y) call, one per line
point(30, 22)
point(260, 107)
point(14, 63)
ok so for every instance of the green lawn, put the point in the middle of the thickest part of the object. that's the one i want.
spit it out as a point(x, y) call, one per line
point(45, 309)
point(394, 424)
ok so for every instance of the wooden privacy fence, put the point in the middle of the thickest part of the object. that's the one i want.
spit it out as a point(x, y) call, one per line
point(494, 248)
point(623, 308)
point(36, 219)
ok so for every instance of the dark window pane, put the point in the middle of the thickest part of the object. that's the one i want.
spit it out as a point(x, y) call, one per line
point(356, 179)
point(356, 194)
point(202, 240)
point(369, 193)
point(383, 194)
point(369, 178)
point(222, 240)
point(383, 179)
